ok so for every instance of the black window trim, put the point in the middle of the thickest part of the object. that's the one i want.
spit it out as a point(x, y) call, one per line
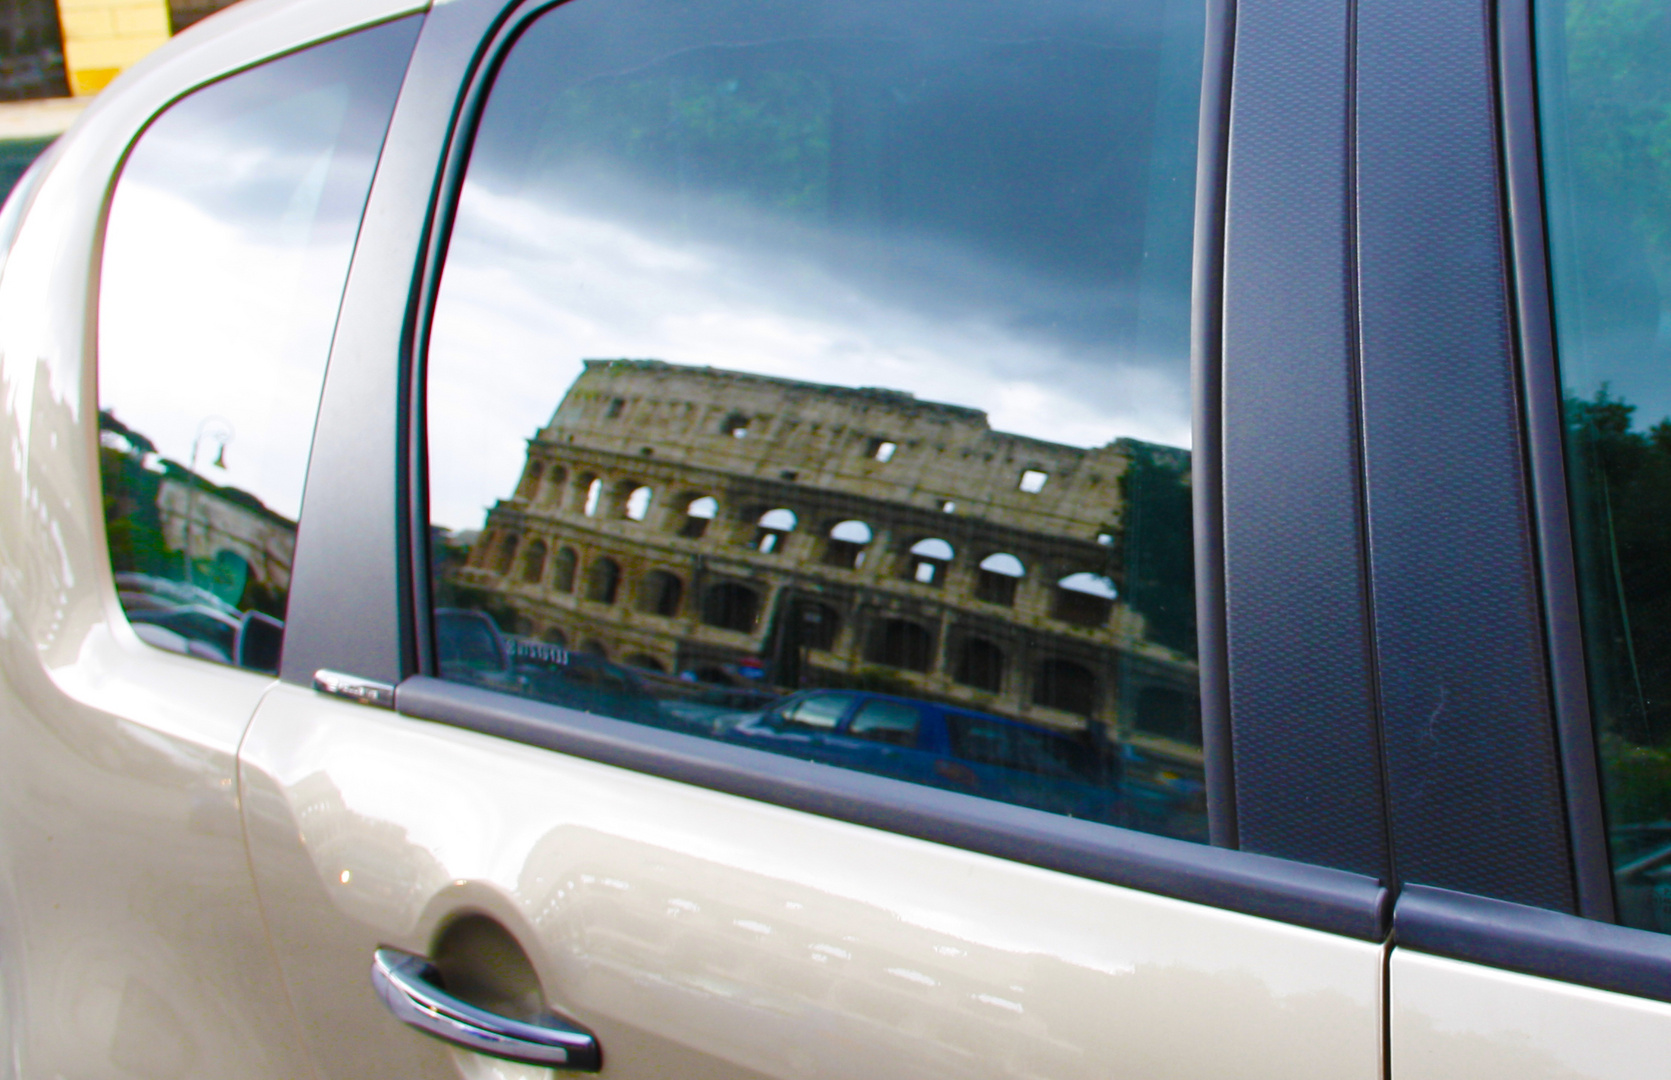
point(1533, 941)
point(354, 613)
point(1546, 459)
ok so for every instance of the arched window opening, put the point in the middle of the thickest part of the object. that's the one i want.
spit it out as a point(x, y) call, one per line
point(483, 550)
point(730, 606)
point(506, 555)
point(773, 529)
point(594, 496)
point(603, 581)
point(980, 664)
point(562, 570)
point(1065, 685)
point(901, 643)
point(533, 562)
point(637, 504)
point(553, 635)
point(594, 647)
point(1084, 599)
point(530, 485)
point(846, 546)
point(995, 580)
point(929, 559)
point(556, 480)
point(659, 593)
point(815, 625)
point(646, 662)
point(735, 425)
point(699, 512)
point(1169, 713)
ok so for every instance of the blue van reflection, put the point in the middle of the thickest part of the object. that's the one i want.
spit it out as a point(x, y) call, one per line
point(923, 742)
point(945, 747)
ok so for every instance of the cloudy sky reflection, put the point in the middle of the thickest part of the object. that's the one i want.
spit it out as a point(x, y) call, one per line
point(1000, 223)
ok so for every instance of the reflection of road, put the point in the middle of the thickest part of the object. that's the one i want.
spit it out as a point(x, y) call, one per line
point(898, 736)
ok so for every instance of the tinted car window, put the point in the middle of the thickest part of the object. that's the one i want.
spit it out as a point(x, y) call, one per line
point(891, 722)
point(227, 247)
point(837, 345)
point(992, 742)
point(815, 712)
point(1605, 82)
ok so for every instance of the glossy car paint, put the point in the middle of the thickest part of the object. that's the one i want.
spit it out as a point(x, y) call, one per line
point(704, 935)
point(130, 937)
point(1457, 1020)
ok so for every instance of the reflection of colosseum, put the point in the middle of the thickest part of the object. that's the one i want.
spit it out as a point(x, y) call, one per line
point(708, 522)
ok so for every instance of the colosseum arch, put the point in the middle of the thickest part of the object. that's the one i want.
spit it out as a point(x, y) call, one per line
point(530, 485)
point(603, 580)
point(731, 606)
point(533, 562)
point(505, 555)
point(659, 593)
point(773, 528)
point(699, 511)
point(1084, 598)
point(556, 485)
point(1065, 685)
point(902, 643)
point(589, 491)
point(996, 578)
point(629, 500)
point(817, 625)
point(847, 543)
point(928, 562)
point(980, 664)
point(562, 570)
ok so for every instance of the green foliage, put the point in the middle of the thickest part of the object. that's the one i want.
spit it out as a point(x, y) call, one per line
point(1638, 780)
point(1619, 102)
point(1155, 541)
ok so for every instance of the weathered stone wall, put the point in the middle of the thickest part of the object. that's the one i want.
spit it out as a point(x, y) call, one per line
point(755, 444)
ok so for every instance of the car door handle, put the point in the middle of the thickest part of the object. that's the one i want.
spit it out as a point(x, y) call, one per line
point(407, 985)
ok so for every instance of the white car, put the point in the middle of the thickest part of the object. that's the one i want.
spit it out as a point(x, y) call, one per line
point(420, 421)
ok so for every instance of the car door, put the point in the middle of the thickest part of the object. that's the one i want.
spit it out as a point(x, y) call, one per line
point(1570, 981)
point(131, 942)
point(728, 194)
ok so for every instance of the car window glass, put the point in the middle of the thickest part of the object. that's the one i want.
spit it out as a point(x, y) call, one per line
point(816, 345)
point(994, 742)
point(886, 721)
point(1604, 70)
point(225, 255)
point(819, 712)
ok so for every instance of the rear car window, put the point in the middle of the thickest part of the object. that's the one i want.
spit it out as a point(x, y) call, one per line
point(893, 722)
point(225, 254)
point(795, 346)
point(1604, 74)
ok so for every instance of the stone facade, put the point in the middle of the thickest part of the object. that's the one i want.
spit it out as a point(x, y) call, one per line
point(719, 524)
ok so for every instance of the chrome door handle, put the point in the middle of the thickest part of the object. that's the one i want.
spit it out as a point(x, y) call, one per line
point(406, 983)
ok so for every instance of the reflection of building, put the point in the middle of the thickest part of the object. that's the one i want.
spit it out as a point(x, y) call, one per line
point(213, 523)
point(706, 521)
point(158, 512)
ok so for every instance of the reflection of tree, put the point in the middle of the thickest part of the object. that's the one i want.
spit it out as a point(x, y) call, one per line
point(1622, 503)
point(133, 476)
point(1619, 111)
point(1160, 570)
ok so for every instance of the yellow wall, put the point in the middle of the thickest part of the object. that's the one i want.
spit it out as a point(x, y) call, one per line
point(102, 37)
